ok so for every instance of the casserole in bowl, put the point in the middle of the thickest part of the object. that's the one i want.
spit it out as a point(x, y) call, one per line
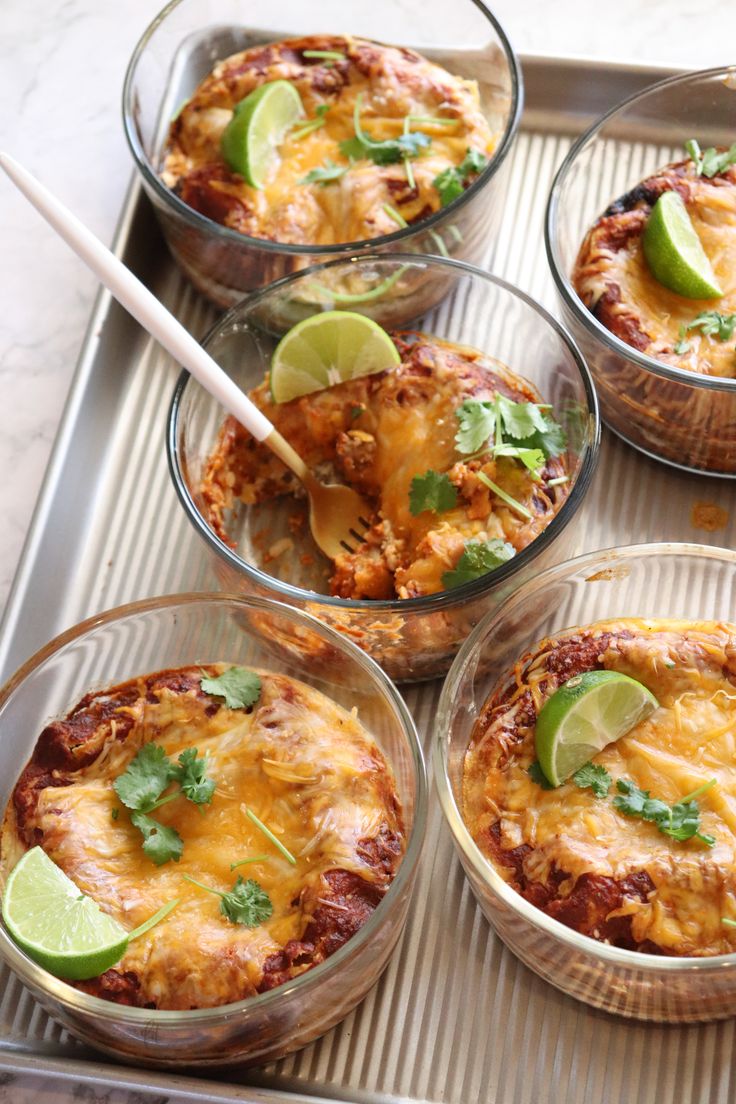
point(669, 393)
point(394, 598)
point(609, 908)
point(294, 971)
point(229, 236)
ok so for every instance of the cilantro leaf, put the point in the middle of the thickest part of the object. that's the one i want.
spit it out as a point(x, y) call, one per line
point(477, 425)
point(452, 182)
point(239, 687)
point(247, 903)
point(552, 440)
point(449, 184)
point(474, 162)
point(713, 324)
point(145, 778)
point(531, 458)
point(431, 491)
point(537, 775)
point(593, 777)
point(478, 559)
point(324, 174)
point(191, 774)
point(520, 420)
point(159, 842)
point(682, 346)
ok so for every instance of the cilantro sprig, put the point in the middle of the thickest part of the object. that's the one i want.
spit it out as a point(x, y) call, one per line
point(681, 821)
point(710, 323)
point(453, 181)
point(387, 152)
point(431, 491)
point(507, 428)
point(478, 558)
point(710, 162)
point(247, 902)
point(318, 121)
point(141, 785)
point(239, 687)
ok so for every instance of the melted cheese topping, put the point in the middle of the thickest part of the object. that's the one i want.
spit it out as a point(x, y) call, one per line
point(303, 765)
point(380, 432)
point(604, 263)
point(689, 740)
point(391, 83)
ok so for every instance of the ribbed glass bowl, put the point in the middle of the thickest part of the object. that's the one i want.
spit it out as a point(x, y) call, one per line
point(176, 631)
point(180, 48)
point(414, 638)
point(685, 419)
point(656, 580)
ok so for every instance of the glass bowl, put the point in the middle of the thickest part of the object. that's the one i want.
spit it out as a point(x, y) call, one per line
point(414, 638)
point(649, 580)
point(187, 629)
point(679, 417)
point(188, 36)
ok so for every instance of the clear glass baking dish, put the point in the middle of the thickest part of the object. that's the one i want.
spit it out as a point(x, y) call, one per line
point(688, 581)
point(188, 629)
point(414, 638)
point(680, 417)
point(181, 46)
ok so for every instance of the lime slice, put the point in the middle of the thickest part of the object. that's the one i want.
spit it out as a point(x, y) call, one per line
point(61, 929)
point(258, 126)
point(583, 716)
point(674, 252)
point(326, 349)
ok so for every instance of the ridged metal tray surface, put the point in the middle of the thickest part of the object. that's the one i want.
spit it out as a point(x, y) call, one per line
point(456, 1018)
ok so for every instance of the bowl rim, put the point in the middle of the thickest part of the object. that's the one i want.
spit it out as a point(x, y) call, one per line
point(74, 999)
point(396, 238)
point(466, 847)
point(562, 282)
point(430, 602)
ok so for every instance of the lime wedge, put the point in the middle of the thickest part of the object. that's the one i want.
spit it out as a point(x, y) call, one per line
point(326, 349)
point(61, 929)
point(584, 715)
point(250, 140)
point(674, 252)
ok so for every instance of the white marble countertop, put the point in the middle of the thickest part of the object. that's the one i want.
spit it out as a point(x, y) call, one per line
point(61, 70)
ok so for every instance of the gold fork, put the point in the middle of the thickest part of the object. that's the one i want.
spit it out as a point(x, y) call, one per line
point(338, 516)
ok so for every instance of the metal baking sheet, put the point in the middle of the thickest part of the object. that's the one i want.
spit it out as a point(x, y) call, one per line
point(456, 1018)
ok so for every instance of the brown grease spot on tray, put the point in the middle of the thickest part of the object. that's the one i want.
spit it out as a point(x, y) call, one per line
point(708, 516)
